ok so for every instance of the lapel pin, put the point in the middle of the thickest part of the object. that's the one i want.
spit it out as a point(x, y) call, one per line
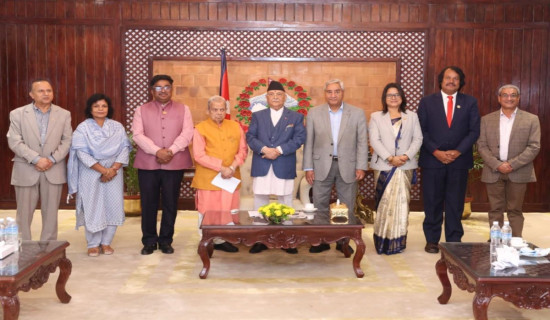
point(458, 107)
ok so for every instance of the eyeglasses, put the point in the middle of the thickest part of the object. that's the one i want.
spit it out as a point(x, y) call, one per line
point(393, 95)
point(337, 91)
point(165, 88)
point(511, 96)
point(275, 94)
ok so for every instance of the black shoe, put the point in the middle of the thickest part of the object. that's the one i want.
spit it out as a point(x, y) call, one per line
point(339, 247)
point(226, 246)
point(148, 249)
point(320, 248)
point(166, 248)
point(258, 247)
point(431, 247)
point(291, 250)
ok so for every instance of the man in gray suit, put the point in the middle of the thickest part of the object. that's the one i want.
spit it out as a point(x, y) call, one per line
point(40, 136)
point(508, 143)
point(335, 152)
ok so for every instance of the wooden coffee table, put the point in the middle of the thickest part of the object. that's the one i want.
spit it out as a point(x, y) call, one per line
point(314, 232)
point(471, 270)
point(30, 269)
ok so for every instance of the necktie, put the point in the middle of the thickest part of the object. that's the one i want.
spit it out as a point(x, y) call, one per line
point(449, 110)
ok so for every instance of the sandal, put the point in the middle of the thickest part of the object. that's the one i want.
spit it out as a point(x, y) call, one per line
point(106, 249)
point(93, 252)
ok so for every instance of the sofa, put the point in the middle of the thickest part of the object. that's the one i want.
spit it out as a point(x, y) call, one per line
point(301, 187)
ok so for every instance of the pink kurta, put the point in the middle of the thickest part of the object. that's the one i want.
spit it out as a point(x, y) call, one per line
point(217, 200)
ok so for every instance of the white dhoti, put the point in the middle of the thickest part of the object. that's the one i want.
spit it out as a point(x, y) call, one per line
point(268, 185)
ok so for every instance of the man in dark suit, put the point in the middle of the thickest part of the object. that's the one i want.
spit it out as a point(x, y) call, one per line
point(508, 144)
point(40, 136)
point(274, 136)
point(450, 126)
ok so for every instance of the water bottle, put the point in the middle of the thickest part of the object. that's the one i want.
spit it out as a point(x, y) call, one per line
point(506, 233)
point(2, 229)
point(12, 232)
point(495, 240)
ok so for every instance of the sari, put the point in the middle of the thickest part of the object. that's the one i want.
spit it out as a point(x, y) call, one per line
point(393, 194)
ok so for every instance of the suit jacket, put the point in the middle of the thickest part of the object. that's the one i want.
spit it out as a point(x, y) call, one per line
point(382, 139)
point(24, 141)
point(523, 148)
point(461, 136)
point(289, 134)
point(352, 142)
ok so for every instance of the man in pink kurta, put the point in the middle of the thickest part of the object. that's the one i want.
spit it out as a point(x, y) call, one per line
point(219, 147)
point(162, 131)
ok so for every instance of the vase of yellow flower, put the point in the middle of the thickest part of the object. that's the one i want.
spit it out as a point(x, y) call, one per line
point(275, 212)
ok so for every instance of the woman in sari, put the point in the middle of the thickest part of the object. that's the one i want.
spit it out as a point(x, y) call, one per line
point(99, 149)
point(396, 137)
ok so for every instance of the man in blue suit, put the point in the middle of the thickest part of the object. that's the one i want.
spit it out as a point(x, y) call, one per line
point(274, 136)
point(450, 125)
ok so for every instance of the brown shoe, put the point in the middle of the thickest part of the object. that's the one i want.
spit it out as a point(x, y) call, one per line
point(431, 247)
point(106, 249)
point(93, 252)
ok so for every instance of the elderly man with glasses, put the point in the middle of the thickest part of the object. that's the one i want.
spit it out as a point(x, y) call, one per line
point(162, 131)
point(508, 143)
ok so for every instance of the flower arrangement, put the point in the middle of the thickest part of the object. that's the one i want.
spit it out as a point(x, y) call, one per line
point(276, 212)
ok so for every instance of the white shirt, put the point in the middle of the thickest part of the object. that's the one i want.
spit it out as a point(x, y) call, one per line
point(275, 117)
point(335, 120)
point(445, 99)
point(506, 125)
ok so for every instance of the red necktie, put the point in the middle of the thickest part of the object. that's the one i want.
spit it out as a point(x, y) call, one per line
point(449, 110)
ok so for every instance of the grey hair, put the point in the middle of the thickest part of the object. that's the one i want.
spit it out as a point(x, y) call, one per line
point(331, 81)
point(39, 80)
point(508, 86)
point(215, 99)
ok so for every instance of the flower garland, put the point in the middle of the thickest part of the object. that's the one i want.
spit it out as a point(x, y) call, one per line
point(244, 114)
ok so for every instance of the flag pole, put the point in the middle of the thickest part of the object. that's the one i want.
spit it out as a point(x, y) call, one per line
point(224, 83)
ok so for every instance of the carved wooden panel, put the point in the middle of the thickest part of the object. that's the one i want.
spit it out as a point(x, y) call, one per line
point(141, 46)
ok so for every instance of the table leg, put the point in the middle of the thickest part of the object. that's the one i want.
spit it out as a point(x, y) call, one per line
point(480, 305)
point(441, 270)
point(360, 251)
point(205, 257)
point(11, 307)
point(210, 249)
point(65, 268)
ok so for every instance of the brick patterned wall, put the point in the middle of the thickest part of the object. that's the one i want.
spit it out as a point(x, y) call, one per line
point(196, 81)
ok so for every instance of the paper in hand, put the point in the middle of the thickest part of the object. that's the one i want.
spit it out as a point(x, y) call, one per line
point(228, 185)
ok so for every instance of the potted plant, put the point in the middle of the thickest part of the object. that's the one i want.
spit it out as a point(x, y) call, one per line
point(474, 174)
point(132, 203)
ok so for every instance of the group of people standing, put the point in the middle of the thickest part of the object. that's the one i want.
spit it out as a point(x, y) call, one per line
point(443, 133)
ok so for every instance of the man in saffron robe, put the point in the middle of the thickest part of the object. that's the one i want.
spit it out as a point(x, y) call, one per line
point(219, 147)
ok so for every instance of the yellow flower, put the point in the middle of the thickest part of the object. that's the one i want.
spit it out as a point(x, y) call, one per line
point(268, 214)
point(278, 213)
